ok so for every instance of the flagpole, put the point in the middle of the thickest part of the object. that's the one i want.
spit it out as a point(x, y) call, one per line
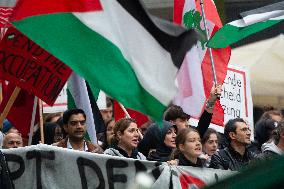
point(1, 91)
point(9, 105)
point(41, 122)
point(128, 116)
point(124, 110)
point(207, 37)
point(33, 121)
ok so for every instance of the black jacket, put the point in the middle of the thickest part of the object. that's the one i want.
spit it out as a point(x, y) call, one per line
point(228, 158)
point(5, 181)
point(183, 161)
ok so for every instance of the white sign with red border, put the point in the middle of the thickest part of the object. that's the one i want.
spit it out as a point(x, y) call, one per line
point(236, 98)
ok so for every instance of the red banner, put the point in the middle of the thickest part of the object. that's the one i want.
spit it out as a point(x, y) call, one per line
point(5, 13)
point(30, 67)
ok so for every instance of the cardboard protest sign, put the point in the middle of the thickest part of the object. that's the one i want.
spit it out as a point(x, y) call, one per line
point(44, 166)
point(30, 67)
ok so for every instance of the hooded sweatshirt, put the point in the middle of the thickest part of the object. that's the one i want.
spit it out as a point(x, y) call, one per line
point(271, 149)
point(263, 130)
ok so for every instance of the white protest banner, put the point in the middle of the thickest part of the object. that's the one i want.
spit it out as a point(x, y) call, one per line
point(44, 166)
point(236, 98)
point(60, 104)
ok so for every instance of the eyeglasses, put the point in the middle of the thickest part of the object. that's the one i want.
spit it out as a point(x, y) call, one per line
point(74, 123)
point(245, 129)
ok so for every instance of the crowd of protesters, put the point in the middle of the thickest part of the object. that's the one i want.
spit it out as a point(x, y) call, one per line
point(173, 141)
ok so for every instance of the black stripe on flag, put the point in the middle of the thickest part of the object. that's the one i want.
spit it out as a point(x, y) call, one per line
point(173, 38)
point(98, 119)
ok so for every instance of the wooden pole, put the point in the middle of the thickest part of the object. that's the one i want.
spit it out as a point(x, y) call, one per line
point(41, 122)
point(124, 110)
point(33, 121)
point(128, 116)
point(9, 105)
point(1, 91)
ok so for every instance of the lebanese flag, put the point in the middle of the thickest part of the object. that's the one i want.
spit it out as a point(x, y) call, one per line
point(20, 114)
point(195, 78)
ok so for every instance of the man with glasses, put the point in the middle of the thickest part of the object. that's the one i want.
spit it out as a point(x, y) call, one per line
point(236, 155)
point(74, 121)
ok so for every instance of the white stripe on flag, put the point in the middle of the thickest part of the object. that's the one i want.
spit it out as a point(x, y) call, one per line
point(116, 25)
point(254, 18)
point(78, 89)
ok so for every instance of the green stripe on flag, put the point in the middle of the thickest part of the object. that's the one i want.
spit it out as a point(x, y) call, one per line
point(103, 66)
point(230, 34)
point(70, 101)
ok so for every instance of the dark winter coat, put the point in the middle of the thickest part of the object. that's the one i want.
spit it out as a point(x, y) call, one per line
point(5, 181)
point(182, 161)
point(228, 158)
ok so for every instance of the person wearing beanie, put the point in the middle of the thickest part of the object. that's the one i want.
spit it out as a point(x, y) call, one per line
point(9, 128)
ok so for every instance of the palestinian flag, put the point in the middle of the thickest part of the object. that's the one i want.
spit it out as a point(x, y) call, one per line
point(195, 78)
point(114, 44)
point(252, 22)
point(80, 96)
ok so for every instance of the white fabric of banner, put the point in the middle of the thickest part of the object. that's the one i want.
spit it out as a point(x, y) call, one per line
point(44, 166)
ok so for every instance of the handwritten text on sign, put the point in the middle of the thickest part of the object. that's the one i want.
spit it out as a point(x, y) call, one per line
point(31, 67)
point(234, 97)
point(44, 166)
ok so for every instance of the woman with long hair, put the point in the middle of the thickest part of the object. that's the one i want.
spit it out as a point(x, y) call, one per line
point(125, 140)
point(189, 148)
